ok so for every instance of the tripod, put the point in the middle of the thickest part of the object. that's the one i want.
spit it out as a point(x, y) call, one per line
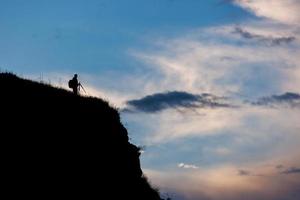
point(82, 87)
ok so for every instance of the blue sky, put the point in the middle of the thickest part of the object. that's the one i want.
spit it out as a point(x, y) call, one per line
point(209, 88)
point(48, 35)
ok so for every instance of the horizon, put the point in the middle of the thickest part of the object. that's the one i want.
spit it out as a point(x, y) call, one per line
point(210, 89)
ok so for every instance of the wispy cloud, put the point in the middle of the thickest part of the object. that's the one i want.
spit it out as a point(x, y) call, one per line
point(285, 11)
point(287, 99)
point(217, 61)
point(175, 99)
point(292, 170)
point(270, 40)
point(187, 166)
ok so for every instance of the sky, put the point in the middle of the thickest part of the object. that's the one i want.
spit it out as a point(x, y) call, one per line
point(209, 89)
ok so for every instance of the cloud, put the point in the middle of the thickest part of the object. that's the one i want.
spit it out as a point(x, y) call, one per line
point(215, 60)
point(159, 128)
point(175, 99)
point(284, 11)
point(286, 99)
point(292, 170)
point(262, 38)
point(187, 166)
point(279, 166)
point(242, 172)
point(222, 183)
point(252, 128)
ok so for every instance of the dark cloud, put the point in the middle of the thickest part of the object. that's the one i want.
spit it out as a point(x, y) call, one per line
point(292, 170)
point(279, 166)
point(267, 39)
point(175, 99)
point(288, 99)
point(242, 172)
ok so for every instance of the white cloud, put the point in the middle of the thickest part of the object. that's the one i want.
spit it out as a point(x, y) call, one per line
point(218, 61)
point(207, 122)
point(187, 166)
point(286, 11)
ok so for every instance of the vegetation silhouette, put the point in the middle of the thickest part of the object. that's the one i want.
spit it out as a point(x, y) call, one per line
point(60, 145)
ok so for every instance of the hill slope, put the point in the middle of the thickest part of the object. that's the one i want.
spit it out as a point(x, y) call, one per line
point(60, 145)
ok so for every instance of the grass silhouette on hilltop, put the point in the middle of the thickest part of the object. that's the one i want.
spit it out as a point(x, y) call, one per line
point(61, 145)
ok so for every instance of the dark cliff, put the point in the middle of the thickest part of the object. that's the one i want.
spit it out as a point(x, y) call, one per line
point(59, 145)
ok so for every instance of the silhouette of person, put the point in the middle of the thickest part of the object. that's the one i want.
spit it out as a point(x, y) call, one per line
point(74, 84)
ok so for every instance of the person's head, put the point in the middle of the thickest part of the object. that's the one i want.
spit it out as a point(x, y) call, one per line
point(75, 75)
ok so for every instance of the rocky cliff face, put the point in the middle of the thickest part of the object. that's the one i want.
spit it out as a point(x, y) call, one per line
point(58, 145)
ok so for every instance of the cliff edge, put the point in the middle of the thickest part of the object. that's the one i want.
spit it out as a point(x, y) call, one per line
point(59, 145)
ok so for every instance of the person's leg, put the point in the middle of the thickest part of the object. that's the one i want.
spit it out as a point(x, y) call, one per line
point(75, 90)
